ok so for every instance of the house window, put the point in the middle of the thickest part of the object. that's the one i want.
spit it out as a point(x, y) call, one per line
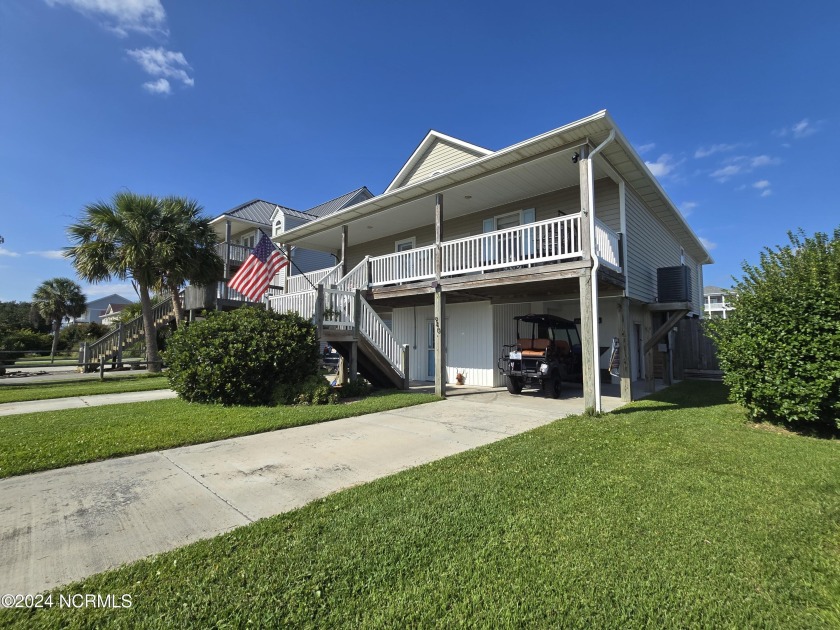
point(278, 227)
point(405, 244)
point(248, 241)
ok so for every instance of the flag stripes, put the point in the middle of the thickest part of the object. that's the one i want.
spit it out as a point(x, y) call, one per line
point(259, 268)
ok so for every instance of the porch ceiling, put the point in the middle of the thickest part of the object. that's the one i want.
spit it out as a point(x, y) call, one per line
point(538, 176)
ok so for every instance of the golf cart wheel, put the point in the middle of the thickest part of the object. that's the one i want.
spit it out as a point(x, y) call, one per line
point(551, 386)
point(514, 385)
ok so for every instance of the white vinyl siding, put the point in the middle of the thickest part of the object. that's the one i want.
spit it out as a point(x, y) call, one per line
point(649, 246)
point(504, 330)
point(441, 156)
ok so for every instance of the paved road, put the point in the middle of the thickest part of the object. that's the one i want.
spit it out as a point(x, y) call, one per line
point(63, 525)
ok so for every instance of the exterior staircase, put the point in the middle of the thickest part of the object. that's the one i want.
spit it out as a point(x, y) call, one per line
point(347, 322)
point(110, 347)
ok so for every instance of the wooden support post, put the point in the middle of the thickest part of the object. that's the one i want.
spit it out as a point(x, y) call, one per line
point(354, 360)
point(344, 269)
point(368, 272)
point(319, 311)
point(647, 325)
point(440, 304)
point(405, 365)
point(120, 342)
point(225, 292)
point(102, 368)
point(357, 313)
point(587, 340)
point(624, 350)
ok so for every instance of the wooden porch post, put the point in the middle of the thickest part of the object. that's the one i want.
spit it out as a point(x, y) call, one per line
point(227, 260)
point(587, 337)
point(647, 324)
point(440, 304)
point(344, 250)
point(624, 350)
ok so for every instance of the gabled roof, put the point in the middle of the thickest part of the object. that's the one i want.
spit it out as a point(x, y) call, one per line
point(463, 152)
point(259, 211)
point(334, 205)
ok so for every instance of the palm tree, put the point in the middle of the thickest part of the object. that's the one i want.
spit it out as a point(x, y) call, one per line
point(192, 250)
point(56, 299)
point(126, 239)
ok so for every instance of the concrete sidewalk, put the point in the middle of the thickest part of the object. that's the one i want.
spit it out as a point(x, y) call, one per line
point(63, 525)
point(77, 402)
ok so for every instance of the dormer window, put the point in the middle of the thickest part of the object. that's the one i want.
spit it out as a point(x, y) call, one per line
point(277, 228)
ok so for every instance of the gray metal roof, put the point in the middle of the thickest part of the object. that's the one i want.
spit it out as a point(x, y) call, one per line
point(334, 205)
point(259, 211)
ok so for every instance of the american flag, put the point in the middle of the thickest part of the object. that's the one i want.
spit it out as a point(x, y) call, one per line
point(259, 268)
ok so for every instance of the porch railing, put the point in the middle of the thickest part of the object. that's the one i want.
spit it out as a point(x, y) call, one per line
point(302, 303)
point(305, 281)
point(406, 266)
point(356, 278)
point(238, 253)
point(545, 241)
point(607, 246)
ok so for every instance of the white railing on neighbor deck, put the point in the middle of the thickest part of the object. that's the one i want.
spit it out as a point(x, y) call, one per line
point(302, 303)
point(232, 294)
point(356, 278)
point(545, 241)
point(606, 246)
point(407, 266)
point(238, 253)
point(332, 277)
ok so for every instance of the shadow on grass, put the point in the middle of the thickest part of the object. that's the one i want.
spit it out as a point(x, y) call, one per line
point(685, 395)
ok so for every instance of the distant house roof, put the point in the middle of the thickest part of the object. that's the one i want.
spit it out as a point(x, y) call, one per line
point(260, 211)
point(334, 205)
point(115, 308)
point(711, 289)
point(108, 299)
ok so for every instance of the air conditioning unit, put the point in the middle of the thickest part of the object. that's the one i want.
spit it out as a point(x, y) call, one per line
point(674, 284)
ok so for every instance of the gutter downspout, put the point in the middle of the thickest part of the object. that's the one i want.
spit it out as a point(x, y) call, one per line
point(595, 265)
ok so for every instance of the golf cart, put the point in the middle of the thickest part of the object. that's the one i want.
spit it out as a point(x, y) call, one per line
point(547, 350)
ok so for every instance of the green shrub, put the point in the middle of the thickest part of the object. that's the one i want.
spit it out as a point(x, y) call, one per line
point(313, 391)
point(241, 357)
point(21, 341)
point(355, 389)
point(780, 347)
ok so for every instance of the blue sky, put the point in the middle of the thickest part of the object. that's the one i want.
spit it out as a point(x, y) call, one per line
point(734, 105)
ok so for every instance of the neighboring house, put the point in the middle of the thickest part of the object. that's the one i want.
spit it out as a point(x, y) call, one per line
point(96, 309)
point(716, 302)
point(570, 222)
point(112, 314)
point(238, 232)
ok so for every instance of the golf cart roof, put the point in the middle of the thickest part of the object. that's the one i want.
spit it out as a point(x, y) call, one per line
point(549, 320)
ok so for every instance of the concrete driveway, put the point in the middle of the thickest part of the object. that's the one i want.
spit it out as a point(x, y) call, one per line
point(64, 525)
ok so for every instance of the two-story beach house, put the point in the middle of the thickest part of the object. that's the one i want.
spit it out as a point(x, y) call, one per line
point(432, 272)
point(717, 302)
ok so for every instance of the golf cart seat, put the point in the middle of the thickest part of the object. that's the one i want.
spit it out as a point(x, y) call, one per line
point(533, 347)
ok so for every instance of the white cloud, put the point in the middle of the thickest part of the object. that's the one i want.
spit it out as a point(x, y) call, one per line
point(53, 254)
point(687, 207)
point(726, 172)
point(644, 148)
point(712, 149)
point(121, 16)
point(762, 183)
point(802, 129)
point(742, 164)
point(663, 166)
point(161, 86)
point(763, 160)
point(709, 245)
point(6, 252)
point(766, 192)
point(159, 62)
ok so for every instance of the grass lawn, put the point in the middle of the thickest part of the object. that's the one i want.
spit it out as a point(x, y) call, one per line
point(673, 512)
point(41, 441)
point(61, 389)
